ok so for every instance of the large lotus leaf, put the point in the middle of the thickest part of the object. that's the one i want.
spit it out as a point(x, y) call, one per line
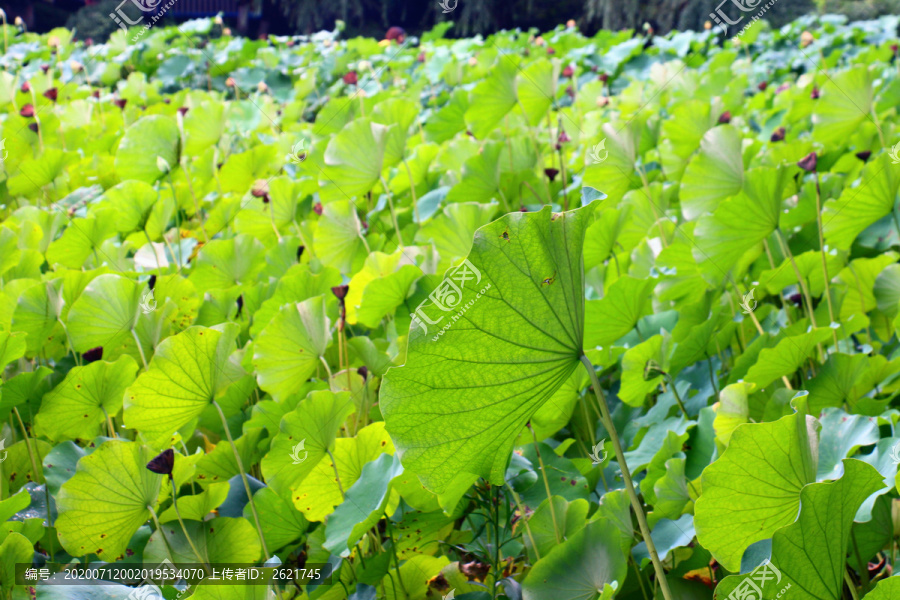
point(12, 347)
point(886, 589)
point(188, 371)
point(834, 382)
point(545, 527)
point(753, 489)
point(15, 548)
point(715, 173)
point(608, 319)
point(841, 435)
point(102, 523)
point(280, 522)
point(297, 285)
point(614, 175)
point(859, 206)
point(318, 494)
point(198, 506)
point(315, 424)
point(517, 342)
point(494, 97)
point(35, 315)
point(289, 350)
point(133, 202)
point(379, 287)
point(146, 140)
point(85, 399)
point(638, 379)
point(105, 315)
point(445, 123)
point(338, 238)
point(844, 104)
point(219, 540)
point(732, 410)
point(810, 266)
point(363, 505)
point(860, 276)
point(353, 160)
point(82, 238)
point(810, 553)
point(222, 264)
point(581, 567)
point(786, 357)
point(536, 85)
point(718, 244)
point(36, 173)
point(480, 177)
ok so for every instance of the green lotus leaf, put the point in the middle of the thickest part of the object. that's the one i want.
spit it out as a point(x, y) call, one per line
point(518, 342)
point(617, 313)
point(144, 141)
point(753, 489)
point(106, 315)
point(281, 523)
point(452, 229)
point(187, 372)
point(363, 505)
point(222, 264)
point(494, 97)
point(219, 540)
point(290, 348)
point(313, 426)
point(89, 523)
point(610, 161)
point(810, 553)
point(338, 238)
point(583, 567)
point(858, 206)
point(844, 105)
point(354, 160)
point(82, 238)
point(85, 399)
point(715, 173)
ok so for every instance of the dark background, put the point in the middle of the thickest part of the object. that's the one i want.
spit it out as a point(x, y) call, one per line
point(255, 18)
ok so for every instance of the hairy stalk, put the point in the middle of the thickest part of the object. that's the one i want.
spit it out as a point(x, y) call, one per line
point(629, 484)
point(240, 464)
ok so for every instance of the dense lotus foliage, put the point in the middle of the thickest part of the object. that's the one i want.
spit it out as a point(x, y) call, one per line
point(527, 317)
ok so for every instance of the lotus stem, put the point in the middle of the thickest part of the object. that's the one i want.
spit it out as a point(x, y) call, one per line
point(240, 465)
point(546, 484)
point(629, 484)
point(824, 260)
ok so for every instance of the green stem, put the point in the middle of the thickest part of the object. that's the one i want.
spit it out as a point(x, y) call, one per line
point(337, 477)
point(187, 536)
point(139, 347)
point(629, 485)
point(390, 196)
point(159, 528)
point(546, 484)
point(237, 458)
point(852, 586)
point(824, 260)
point(863, 567)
